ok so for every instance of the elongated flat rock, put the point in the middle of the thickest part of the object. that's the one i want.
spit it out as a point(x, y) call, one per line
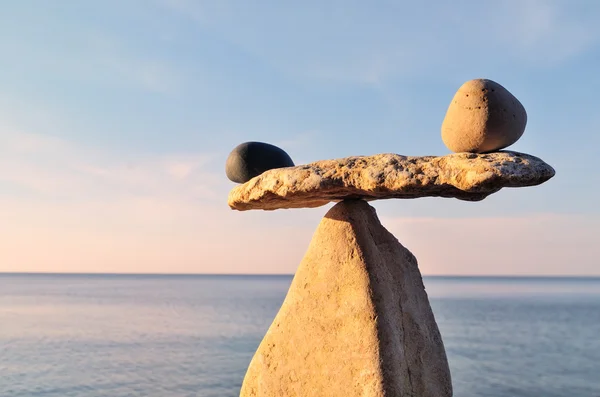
point(465, 176)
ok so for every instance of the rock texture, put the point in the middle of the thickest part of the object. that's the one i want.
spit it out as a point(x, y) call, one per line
point(483, 117)
point(355, 322)
point(465, 176)
point(250, 159)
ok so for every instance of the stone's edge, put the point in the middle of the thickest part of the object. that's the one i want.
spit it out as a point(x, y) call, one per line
point(465, 176)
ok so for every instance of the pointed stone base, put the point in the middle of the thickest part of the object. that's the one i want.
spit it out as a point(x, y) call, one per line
point(355, 322)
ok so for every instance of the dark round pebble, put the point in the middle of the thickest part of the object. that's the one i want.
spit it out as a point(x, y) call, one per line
point(251, 159)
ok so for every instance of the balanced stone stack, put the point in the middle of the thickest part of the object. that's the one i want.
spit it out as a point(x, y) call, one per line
point(356, 320)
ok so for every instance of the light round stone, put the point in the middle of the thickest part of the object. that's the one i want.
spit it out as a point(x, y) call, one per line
point(483, 117)
point(251, 159)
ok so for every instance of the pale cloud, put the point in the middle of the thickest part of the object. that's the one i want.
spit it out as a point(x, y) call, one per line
point(56, 168)
point(30, 143)
point(70, 208)
point(369, 43)
point(142, 235)
point(180, 170)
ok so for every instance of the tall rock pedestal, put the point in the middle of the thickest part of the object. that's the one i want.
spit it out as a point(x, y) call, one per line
point(356, 321)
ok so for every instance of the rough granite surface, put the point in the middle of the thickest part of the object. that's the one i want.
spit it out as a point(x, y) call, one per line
point(465, 176)
point(356, 320)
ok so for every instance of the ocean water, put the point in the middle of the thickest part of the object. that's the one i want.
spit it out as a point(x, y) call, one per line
point(163, 336)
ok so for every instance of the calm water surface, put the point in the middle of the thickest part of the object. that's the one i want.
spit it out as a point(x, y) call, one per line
point(163, 336)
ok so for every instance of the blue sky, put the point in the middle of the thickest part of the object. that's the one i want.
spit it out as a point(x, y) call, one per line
point(116, 119)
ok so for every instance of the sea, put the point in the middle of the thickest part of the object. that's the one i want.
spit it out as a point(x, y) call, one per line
point(183, 336)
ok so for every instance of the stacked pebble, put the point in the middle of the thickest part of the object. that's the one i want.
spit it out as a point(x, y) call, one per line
point(483, 117)
point(251, 159)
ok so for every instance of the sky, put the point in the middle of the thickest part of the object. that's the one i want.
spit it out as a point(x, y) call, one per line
point(116, 118)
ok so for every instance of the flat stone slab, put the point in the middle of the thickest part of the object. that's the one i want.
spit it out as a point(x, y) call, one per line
point(465, 176)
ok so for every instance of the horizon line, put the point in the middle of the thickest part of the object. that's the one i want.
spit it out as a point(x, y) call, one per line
point(524, 276)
